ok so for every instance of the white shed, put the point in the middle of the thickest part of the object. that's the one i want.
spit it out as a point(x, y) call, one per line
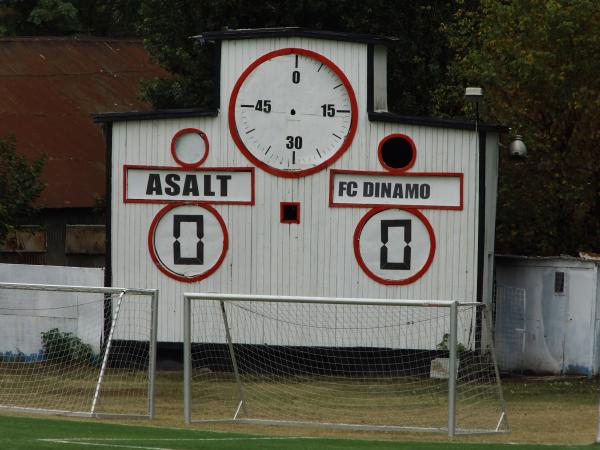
point(300, 183)
point(548, 315)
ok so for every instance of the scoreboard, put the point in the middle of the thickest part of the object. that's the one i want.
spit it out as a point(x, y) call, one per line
point(300, 183)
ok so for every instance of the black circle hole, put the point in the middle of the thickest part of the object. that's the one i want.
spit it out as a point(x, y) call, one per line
point(397, 152)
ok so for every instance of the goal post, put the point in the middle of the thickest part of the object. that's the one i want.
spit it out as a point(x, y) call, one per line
point(372, 364)
point(78, 350)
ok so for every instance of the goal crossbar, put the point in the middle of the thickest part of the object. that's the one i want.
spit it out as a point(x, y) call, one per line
point(325, 300)
point(74, 288)
point(246, 300)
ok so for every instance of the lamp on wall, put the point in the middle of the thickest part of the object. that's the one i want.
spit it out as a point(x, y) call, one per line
point(516, 148)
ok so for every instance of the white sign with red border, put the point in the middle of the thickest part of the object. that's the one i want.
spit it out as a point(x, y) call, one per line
point(150, 184)
point(414, 190)
point(393, 245)
point(188, 241)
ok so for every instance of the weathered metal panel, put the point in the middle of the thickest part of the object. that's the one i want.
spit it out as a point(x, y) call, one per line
point(559, 326)
point(85, 239)
point(25, 239)
point(315, 257)
point(50, 86)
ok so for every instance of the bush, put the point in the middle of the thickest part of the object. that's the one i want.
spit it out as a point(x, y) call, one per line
point(60, 345)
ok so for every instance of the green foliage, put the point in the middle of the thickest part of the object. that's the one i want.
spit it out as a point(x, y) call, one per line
point(416, 63)
point(443, 344)
point(19, 185)
point(60, 15)
point(65, 17)
point(66, 347)
point(537, 61)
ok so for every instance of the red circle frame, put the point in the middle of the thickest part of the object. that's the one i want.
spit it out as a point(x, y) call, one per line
point(377, 278)
point(174, 152)
point(412, 146)
point(155, 257)
point(233, 128)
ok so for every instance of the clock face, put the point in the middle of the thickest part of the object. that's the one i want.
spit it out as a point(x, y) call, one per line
point(292, 112)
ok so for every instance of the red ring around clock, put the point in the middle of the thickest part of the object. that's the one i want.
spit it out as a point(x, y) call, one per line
point(248, 154)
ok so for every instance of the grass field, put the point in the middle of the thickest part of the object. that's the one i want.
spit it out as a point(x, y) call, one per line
point(541, 411)
point(24, 433)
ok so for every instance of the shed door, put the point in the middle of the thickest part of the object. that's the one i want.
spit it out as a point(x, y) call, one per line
point(510, 327)
point(579, 321)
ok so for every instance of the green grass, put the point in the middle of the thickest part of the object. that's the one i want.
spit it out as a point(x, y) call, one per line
point(24, 433)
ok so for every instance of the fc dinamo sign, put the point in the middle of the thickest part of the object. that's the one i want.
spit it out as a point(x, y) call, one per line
point(417, 190)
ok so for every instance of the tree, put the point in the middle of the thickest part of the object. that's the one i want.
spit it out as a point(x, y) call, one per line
point(538, 62)
point(67, 17)
point(20, 185)
point(416, 63)
point(59, 15)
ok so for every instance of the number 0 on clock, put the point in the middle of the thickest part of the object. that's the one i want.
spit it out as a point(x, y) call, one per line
point(292, 112)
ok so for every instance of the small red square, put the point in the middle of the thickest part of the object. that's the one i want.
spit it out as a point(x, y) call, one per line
point(289, 212)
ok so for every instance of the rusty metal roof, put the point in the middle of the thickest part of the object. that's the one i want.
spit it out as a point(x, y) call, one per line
point(49, 87)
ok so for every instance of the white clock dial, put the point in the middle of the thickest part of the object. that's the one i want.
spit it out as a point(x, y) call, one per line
point(292, 112)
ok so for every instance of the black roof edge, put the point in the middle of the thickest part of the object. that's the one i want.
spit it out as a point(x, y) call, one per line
point(437, 122)
point(502, 256)
point(250, 33)
point(155, 114)
point(373, 117)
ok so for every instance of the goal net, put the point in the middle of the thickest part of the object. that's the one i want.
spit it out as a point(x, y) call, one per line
point(74, 350)
point(370, 364)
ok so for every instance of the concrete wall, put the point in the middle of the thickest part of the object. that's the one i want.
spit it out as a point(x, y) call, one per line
point(24, 315)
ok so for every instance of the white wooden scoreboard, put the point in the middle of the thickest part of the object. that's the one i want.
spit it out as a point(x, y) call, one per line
point(300, 183)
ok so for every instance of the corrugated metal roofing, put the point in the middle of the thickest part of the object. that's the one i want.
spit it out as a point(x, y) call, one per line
point(49, 87)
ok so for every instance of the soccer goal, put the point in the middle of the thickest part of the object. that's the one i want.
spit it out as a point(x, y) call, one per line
point(76, 350)
point(342, 363)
